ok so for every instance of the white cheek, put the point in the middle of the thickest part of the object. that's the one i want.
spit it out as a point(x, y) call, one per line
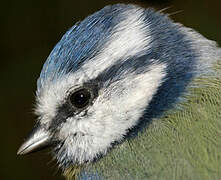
point(127, 103)
point(109, 119)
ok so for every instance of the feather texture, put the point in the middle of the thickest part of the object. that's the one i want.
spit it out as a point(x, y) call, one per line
point(154, 99)
point(183, 144)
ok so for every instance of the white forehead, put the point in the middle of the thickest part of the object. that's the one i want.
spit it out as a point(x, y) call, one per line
point(129, 38)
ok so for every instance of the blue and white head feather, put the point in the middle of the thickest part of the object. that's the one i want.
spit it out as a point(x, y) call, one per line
point(140, 62)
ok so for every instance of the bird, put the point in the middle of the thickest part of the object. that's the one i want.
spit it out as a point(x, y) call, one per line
point(127, 93)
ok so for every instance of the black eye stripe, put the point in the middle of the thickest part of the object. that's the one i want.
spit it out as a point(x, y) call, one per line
point(70, 109)
point(63, 112)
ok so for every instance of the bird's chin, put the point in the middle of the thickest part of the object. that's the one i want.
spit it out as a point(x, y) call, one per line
point(74, 151)
point(64, 158)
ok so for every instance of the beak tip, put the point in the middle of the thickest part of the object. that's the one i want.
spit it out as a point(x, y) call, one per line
point(20, 151)
point(37, 140)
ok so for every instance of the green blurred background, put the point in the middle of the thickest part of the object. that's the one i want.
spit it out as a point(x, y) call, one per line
point(29, 30)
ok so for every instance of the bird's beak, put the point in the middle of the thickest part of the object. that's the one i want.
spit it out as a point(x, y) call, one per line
point(38, 139)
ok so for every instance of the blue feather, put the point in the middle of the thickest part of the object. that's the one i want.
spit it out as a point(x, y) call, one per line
point(80, 43)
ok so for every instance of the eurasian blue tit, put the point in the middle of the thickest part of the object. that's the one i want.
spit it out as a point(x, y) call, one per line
point(129, 94)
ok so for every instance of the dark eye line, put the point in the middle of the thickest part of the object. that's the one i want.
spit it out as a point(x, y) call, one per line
point(66, 110)
point(63, 113)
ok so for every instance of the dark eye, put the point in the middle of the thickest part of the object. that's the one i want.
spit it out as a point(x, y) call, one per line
point(81, 98)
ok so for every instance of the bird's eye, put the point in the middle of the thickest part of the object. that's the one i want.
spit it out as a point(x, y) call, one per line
point(81, 98)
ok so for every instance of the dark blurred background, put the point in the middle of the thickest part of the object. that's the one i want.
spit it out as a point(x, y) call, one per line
point(29, 30)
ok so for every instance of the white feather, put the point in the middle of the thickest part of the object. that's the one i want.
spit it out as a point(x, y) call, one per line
point(109, 120)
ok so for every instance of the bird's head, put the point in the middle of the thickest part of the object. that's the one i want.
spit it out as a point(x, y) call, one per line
point(101, 77)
